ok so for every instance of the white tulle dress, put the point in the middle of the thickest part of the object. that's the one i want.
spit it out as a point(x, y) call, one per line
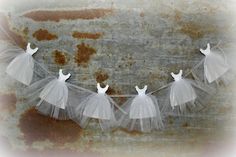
point(54, 97)
point(97, 106)
point(21, 68)
point(183, 95)
point(143, 113)
point(213, 68)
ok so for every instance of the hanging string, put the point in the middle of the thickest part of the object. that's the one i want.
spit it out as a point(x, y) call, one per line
point(115, 95)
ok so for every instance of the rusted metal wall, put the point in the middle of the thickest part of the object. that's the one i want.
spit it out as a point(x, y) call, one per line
point(122, 43)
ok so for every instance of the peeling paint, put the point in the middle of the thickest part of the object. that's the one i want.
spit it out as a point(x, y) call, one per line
point(43, 34)
point(101, 76)
point(82, 35)
point(37, 127)
point(84, 54)
point(60, 58)
point(57, 15)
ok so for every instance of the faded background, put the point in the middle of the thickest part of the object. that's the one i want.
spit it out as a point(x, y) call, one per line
point(123, 43)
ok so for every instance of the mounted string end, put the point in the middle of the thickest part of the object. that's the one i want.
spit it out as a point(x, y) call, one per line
point(63, 77)
point(30, 50)
point(101, 90)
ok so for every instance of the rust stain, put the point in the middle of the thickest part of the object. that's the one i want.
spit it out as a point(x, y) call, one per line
point(185, 124)
point(60, 58)
point(193, 30)
point(57, 15)
point(36, 127)
point(83, 54)
point(128, 62)
point(8, 102)
point(178, 16)
point(43, 34)
point(9, 34)
point(82, 35)
point(113, 90)
point(101, 76)
point(142, 14)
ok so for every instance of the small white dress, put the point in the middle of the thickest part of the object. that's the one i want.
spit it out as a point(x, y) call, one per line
point(97, 106)
point(213, 68)
point(181, 91)
point(56, 91)
point(143, 113)
point(21, 68)
point(183, 96)
point(55, 97)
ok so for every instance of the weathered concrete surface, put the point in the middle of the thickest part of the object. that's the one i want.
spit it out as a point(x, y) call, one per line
point(122, 43)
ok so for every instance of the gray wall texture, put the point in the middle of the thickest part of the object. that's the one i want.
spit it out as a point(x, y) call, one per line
point(123, 44)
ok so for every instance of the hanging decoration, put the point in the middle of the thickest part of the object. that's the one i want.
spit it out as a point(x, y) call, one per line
point(57, 98)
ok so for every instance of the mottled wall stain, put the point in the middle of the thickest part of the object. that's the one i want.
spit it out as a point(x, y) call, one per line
point(8, 34)
point(142, 14)
point(56, 16)
point(101, 76)
point(60, 58)
point(43, 34)
point(37, 127)
point(115, 90)
point(8, 102)
point(193, 30)
point(185, 124)
point(84, 53)
point(84, 35)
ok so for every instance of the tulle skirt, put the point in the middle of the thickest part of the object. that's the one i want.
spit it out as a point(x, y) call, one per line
point(215, 66)
point(181, 92)
point(143, 114)
point(33, 95)
point(191, 96)
point(97, 106)
point(214, 69)
point(55, 93)
point(21, 68)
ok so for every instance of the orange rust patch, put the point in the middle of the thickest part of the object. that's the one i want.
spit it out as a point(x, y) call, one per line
point(9, 34)
point(194, 31)
point(101, 76)
point(83, 54)
point(43, 34)
point(36, 127)
point(51, 15)
point(80, 35)
point(60, 57)
point(8, 102)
